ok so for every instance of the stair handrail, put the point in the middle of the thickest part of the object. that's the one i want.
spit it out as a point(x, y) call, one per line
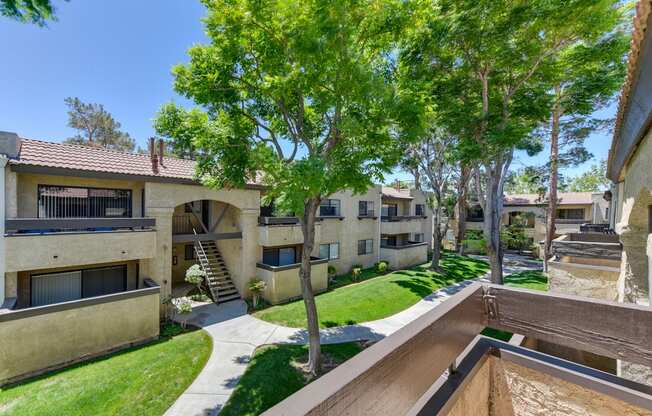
point(203, 258)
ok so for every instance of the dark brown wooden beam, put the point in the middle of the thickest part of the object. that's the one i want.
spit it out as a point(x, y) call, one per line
point(610, 329)
point(390, 376)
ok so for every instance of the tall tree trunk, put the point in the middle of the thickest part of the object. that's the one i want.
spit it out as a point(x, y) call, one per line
point(493, 210)
point(437, 237)
point(461, 208)
point(554, 174)
point(308, 230)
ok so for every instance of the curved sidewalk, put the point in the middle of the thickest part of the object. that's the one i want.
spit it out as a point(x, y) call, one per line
point(237, 334)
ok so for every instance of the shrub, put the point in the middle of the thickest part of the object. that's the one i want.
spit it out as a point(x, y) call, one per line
point(184, 307)
point(256, 287)
point(331, 270)
point(196, 275)
point(381, 266)
point(356, 272)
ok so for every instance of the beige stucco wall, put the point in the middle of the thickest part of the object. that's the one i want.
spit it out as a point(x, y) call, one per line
point(32, 252)
point(27, 190)
point(350, 229)
point(81, 332)
point(405, 257)
point(599, 282)
point(284, 285)
point(179, 270)
point(284, 234)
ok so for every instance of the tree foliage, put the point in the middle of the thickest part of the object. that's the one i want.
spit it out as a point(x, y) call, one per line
point(28, 11)
point(96, 127)
point(298, 94)
point(593, 180)
point(491, 67)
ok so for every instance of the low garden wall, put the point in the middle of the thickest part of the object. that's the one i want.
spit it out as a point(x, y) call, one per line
point(35, 340)
point(282, 283)
point(404, 256)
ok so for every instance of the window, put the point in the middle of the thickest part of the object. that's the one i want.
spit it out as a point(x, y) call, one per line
point(329, 208)
point(52, 288)
point(283, 256)
point(418, 238)
point(389, 210)
point(366, 208)
point(388, 240)
point(189, 252)
point(570, 214)
point(419, 210)
point(475, 213)
point(329, 251)
point(365, 247)
point(77, 202)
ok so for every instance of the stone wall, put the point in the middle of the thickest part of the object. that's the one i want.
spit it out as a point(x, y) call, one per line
point(599, 282)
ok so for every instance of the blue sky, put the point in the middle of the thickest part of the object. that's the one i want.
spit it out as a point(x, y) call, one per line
point(118, 53)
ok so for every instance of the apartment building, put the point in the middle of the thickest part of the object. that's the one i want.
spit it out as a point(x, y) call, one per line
point(529, 211)
point(94, 241)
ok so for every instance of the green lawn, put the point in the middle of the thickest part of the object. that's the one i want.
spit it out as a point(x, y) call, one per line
point(534, 280)
point(375, 297)
point(271, 376)
point(143, 380)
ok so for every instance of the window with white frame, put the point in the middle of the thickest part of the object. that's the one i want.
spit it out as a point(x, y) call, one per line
point(418, 238)
point(419, 210)
point(329, 208)
point(365, 247)
point(366, 208)
point(329, 251)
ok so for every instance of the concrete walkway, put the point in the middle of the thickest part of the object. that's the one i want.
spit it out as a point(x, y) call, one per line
point(237, 334)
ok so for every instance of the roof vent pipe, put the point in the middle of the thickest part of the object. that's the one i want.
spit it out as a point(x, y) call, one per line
point(152, 155)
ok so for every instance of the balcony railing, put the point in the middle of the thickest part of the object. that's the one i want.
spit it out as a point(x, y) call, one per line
point(262, 220)
point(403, 246)
point(601, 246)
point(424, 367)
point(397, 218)
point(596, 228)
point(15, 226)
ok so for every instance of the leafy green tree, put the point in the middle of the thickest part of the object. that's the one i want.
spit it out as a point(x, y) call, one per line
point(96, 127)
point(490, 65)
point(586, 75)
point(433, 159)
point(593, 180)
point(28, 11)
point(297, 93)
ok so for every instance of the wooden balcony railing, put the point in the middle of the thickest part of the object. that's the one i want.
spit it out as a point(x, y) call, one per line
point(402, 373)
point(56, 225)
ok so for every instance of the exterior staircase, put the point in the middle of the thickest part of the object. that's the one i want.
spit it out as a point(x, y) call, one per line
point(217, 275)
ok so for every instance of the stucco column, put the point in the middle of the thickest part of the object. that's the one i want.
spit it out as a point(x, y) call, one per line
point(3, 167)
point(649, 267)
point(633, 281)
point(250, 247)
point(159, 268)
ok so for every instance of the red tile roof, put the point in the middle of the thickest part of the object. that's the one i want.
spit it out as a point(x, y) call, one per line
point(97, 159)
point(565, 198)
point(391, 192)
point(643, 10)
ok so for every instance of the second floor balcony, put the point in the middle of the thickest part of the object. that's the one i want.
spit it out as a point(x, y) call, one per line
point(64, 242)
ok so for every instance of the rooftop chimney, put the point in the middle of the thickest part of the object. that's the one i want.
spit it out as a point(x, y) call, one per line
point(161, 151)
point(9, 144)
point(152, 155)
